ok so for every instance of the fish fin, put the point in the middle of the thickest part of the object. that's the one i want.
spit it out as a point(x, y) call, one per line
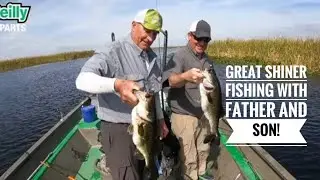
point(210, 98)
point(147, 174)
point(130, 129)
point(209, 138)
point(215, 138)
point(138, 155)
point(141, 130)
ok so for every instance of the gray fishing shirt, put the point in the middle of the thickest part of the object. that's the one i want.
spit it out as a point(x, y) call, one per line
point(185, 100)
point(123, 59)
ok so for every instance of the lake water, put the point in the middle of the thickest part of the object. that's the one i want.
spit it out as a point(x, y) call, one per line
point(33, 99)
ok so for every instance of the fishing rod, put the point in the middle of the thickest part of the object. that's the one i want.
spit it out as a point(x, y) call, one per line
point(163, 64)
point(163, 60)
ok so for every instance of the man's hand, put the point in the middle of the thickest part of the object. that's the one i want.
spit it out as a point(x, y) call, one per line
point(193, 75)
point(125, 88)
point(164, 131)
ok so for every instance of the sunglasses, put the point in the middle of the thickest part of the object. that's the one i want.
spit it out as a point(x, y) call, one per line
point(148, 31)
point(205, 39)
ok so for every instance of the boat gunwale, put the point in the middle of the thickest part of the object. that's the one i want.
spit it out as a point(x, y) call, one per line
point(272, 162)
point(245, 167)
point(37, 173)
point(266, 157)
point(24, 157)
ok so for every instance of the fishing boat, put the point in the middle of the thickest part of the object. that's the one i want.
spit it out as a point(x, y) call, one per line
point(72, 150)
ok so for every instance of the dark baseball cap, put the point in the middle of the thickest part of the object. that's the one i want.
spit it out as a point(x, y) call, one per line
point(201, 29)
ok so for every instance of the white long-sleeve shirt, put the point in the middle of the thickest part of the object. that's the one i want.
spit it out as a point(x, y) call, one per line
point(95, 84)
point(121, 59)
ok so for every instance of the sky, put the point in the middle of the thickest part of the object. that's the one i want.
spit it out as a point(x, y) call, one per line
point(60, 26)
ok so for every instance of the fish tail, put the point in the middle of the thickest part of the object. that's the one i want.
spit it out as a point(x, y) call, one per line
point(209, 138)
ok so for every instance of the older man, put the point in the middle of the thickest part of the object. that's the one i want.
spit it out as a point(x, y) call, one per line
point(188, 123)
point(113, 74)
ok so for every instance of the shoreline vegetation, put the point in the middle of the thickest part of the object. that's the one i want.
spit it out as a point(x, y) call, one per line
point(18, 63)
point(279, 51)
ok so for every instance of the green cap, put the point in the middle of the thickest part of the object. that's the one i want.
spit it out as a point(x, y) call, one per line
point(150, 19)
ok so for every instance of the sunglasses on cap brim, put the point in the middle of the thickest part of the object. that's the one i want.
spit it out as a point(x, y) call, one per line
point(205, 39)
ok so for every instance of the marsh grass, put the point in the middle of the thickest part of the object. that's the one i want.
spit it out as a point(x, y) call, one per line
point(19, 63)
point(277, 51)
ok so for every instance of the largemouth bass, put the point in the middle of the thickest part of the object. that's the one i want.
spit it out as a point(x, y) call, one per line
point(143, 132)
point(211, 104)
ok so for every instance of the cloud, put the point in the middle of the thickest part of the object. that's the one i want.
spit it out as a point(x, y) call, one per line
point(55, 27)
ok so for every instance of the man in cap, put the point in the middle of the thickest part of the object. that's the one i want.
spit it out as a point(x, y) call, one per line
point(113, 73)
point(183, 73)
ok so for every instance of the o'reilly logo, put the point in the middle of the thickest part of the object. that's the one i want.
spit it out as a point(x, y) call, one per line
point(13, 12)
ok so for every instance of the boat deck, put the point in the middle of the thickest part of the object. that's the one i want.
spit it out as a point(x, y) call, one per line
point(79, 152)
point(77, 157)
point(88, 169)
point(71, 149)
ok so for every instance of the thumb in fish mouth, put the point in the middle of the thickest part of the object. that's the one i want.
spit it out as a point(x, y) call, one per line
point(212, 138)
point(148, 95)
